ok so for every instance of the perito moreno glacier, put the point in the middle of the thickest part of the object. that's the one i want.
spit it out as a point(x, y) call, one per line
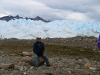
point(29, 29)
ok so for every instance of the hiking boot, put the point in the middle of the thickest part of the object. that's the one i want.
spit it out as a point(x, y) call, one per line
point(36, 65)
point(49, 65)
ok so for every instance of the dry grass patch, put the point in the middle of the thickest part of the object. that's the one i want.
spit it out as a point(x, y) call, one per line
point(54, 50)
point(74, 51)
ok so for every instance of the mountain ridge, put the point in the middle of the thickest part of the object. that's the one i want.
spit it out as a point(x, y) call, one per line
point(10, 17)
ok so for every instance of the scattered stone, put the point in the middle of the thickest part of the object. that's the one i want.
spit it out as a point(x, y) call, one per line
point(92, 68)
point(80, 72)
point(7, 66)
point(55, 67)
point(85, 60)
point(98, 69)
point(71, 65)
point(21, 68)
point(48, 73)
point(88, 64)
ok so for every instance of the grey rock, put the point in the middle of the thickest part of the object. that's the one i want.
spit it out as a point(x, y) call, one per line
point(80, 72)
point(40, 59)
point(71, 65)
point(27, 53)
point(7, 66)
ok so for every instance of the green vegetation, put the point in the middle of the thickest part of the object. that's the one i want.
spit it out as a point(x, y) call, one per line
point(74, 51)
point(54, 50)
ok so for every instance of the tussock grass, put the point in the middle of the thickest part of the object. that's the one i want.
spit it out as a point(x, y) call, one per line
point(54, 50)
point(15, 47)
point(74, 51)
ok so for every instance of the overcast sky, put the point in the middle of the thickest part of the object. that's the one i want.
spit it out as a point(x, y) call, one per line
point(52, 9)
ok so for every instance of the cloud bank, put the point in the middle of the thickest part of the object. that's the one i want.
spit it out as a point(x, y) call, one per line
point(53, 9)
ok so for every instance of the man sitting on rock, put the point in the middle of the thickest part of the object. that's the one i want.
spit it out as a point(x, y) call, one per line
point(38, 49)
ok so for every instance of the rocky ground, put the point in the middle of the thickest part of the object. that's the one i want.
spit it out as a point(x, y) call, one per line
point(62, 65)
point(12, 62)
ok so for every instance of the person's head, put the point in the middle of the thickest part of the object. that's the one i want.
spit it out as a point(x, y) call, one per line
point(38, 39)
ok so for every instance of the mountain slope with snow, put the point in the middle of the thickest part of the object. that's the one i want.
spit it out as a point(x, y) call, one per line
point(29, 29)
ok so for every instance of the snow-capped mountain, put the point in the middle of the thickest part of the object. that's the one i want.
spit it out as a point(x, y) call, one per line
point(29, 29)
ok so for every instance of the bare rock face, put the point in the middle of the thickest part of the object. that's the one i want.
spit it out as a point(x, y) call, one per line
point(41, 61)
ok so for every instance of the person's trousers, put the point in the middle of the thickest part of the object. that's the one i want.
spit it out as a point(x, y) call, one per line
point(43, 56)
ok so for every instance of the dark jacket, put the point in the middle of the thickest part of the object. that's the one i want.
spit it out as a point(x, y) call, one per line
point(38, 48)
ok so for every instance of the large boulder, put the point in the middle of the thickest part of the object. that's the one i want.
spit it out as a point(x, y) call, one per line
point(40, 59)
point(27, 53)
point(26, 58)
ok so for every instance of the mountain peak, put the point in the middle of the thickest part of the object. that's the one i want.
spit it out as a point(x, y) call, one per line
point(38, 18)
point(10, 17)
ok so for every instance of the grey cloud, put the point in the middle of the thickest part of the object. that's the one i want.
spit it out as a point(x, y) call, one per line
point(77, 6)
point(81, 6)
point(94, 15)
point(50, 8)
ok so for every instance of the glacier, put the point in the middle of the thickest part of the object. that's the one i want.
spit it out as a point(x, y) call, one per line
point(29, 29)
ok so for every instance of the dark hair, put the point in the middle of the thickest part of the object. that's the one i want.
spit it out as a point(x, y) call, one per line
point(38, 38)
